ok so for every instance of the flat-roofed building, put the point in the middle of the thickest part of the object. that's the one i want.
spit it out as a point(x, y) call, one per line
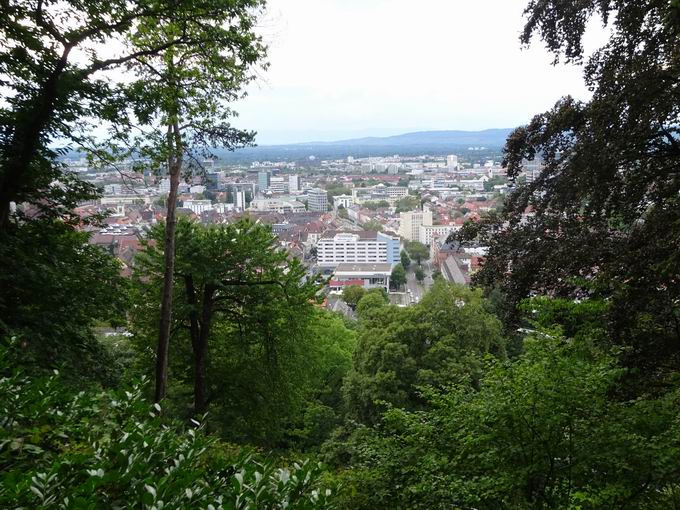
point(357, 247)
point(366, 275)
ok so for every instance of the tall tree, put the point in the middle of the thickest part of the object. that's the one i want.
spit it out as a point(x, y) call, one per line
point(606, 204)
point(52, 65)
point(180, 99)
point(233, 275)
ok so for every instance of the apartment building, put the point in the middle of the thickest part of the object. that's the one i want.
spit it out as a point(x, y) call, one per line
point(357, 247)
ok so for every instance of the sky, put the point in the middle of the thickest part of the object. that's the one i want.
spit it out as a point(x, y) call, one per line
point(351, 68)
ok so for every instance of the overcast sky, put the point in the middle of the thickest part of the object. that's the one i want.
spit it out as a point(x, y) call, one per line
point(350, 68)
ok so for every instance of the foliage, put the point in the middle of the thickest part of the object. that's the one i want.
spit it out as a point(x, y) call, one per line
point(408, 203)
point(437, 342)
point(398, 276)
point(372, 226)
point(373, 300)
point(606, 201)
point(540, 432)
point(494, 181)
point(405, 259)
point(417, 251)
point(112, 449)
point(352, 295)
point(420, 274)
point(376, 205)
point(342, 212)
point(53, 287)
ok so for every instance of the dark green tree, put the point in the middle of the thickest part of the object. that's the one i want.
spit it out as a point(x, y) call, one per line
point(417, 251)
point(606, 201)
point(398, 277)
point(405, 259)
point(352, 295)
point(420, 274)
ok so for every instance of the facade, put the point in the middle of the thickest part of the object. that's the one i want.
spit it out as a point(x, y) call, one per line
point(240, 200)
point(343, 200)
point(430, 232)
point(390, 194)
point(357, 247)
point(369, 276)
point(275, 205)
point(294, 183)
point(198, 206)
point(410, 223)
point(278, 185)
point(263, 178)
point(317, 200)
point(452, 162)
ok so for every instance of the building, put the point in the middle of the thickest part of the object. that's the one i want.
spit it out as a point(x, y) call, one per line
point(343, 200)
point(366, 275)
point(317, 200)
point(240, 200)
point(294, 183)
point(430, 232)
point(198, 206)
point(278, 185)
point(452, 162)
point(263, 178)
point(410, 223)
point(277, 205)
point(357, 247)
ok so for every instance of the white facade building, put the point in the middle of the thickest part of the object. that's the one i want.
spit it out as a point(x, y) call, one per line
point(343, 200)
point(240, 200)
point(317, 200)
point(368, 276)
point(430, 232)
point(275, 205)
point(357, 247)
point(294, 183)
point(198, 206)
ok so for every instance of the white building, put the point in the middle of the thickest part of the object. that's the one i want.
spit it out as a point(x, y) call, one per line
point(317, 200)
point(357, 247)
point(369, 276)
point(278, 185)
point(343, 200)
point(275, 205)
point(198, 206)
point(452, 162)
point(240, 200)
point(294, 183)
point(430, 232)
point(410, 223)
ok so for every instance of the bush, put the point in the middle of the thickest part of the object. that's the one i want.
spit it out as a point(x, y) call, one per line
point(112, 449)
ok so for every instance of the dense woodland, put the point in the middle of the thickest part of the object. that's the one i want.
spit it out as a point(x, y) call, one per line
point(552, 383)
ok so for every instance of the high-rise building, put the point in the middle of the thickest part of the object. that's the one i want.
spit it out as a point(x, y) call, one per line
point(240, 200)
point(294, 183)
point(278, 185)
point(410, 223)
point(317, 200)
point(263, 178)
point(452, 162)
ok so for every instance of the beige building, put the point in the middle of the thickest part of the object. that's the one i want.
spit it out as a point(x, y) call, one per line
point(410, 223)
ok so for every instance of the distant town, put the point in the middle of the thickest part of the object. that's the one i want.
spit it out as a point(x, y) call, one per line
point(349, 219)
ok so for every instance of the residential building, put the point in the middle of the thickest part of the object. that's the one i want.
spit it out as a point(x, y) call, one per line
point(366, 275)
point(358, 247)
point(197, 206)
point(276, 205)
point(430, 232)
point(410, 223)
point(317, 200)
point(240, 200)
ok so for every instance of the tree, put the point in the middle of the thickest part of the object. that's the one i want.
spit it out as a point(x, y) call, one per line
point(408, 203)
point(420, 274)
point(399, 350)
point(342, 212)
point(398, 276)
point(352, 294)
point(405, 259)
point(417, 251)
point(606, 201)
point(182, 93)
point(373, 226)
point(52, 72)
point(244, 307)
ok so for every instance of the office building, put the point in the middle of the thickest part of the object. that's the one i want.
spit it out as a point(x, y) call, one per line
point(294, 183)
point(317, 200)
point(366, 275)
point(263, 178)
point(357, 247)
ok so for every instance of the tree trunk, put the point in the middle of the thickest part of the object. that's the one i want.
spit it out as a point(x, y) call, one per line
point(174, 170)
point(21, 151)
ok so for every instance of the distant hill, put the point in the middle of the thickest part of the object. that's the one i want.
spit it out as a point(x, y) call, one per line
point(408, 144)
point(487, 137)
